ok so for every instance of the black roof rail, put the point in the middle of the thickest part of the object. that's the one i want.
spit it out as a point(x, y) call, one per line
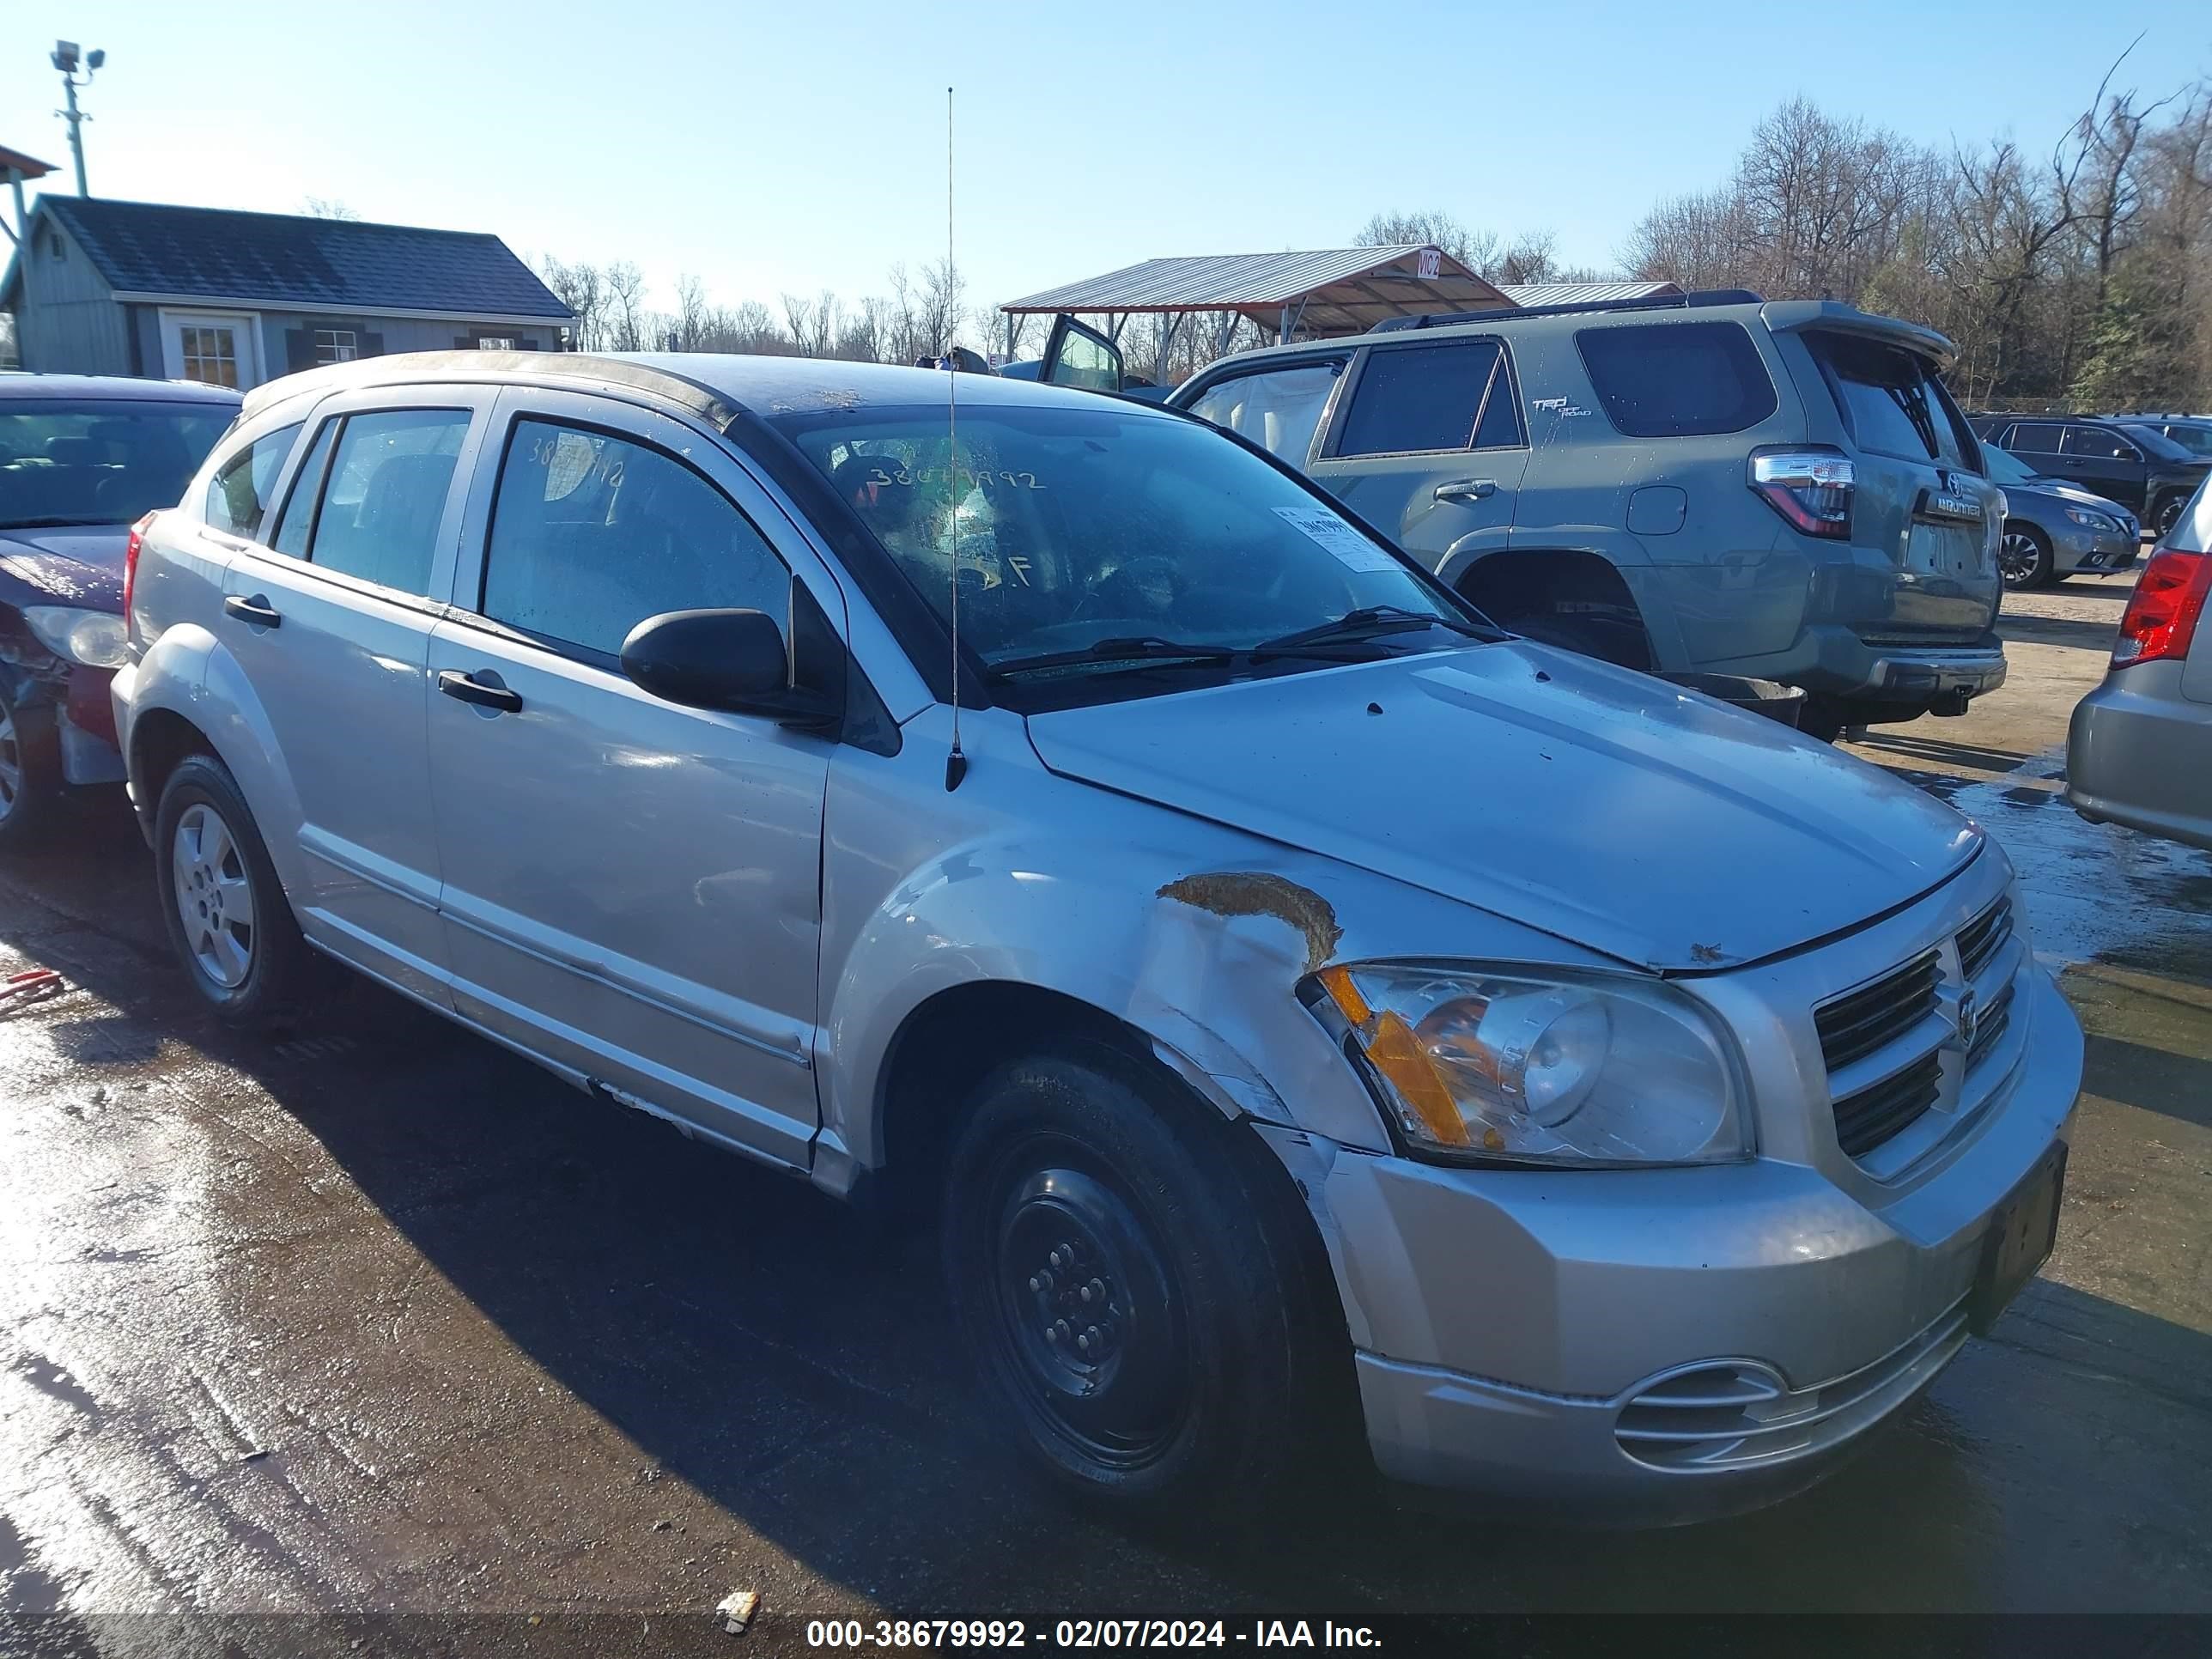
point(1692, 301)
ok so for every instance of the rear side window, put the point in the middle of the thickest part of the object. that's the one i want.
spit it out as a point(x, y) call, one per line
point(590, 534)
point(383, 496)
point(238, 495)
point(1277, 410)
point(1892, 400)
point(2034, 438)
point(1677, 379)
point(1428, 398)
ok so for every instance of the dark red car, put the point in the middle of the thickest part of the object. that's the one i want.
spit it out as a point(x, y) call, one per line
point(82, 458)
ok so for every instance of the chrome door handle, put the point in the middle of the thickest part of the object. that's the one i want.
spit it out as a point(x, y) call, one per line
point(257, 611)
point(1467, 490)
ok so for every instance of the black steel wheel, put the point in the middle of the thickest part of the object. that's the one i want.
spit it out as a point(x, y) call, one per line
point(1146, 1302)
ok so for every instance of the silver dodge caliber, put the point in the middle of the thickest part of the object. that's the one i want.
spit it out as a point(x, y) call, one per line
point(1300, 1004)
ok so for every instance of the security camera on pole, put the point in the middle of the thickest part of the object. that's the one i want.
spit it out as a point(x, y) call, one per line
point(66, 60)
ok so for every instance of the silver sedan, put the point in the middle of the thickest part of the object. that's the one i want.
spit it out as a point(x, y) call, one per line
point(2139, 748)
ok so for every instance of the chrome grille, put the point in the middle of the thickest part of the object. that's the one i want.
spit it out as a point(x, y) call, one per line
point(1856, 1024)
point(1866, 1119)
point(1980, 939)
point(1990, 1026)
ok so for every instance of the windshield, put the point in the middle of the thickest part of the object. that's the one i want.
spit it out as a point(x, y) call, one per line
point(2004, 467)
point(2196, 440)
point(1081, 529)
point(70, 462)
point(2165, 447)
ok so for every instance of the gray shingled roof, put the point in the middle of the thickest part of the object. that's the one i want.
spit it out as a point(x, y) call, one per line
point(282, 259)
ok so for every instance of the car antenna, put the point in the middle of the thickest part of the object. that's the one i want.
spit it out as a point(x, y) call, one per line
point(956, 763)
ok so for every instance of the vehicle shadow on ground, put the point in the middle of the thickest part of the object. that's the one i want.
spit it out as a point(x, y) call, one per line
point(1939, 753)
point(794, 1366)
point(2097, 635)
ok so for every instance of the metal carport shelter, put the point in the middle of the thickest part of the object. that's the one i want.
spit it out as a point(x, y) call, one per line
point(1313, 296)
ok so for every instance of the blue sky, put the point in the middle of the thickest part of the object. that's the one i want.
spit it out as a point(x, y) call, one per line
point(772, 148)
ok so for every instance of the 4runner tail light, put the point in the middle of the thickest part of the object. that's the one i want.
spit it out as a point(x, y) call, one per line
point(2161, 616)
point(131, 565)
point(1810, 488)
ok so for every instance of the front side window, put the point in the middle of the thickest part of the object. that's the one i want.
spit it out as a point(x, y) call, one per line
point(1102, 534)
point(336, 345)
point(1677, 379)
point(590, 534)
point(1277, 410)
point(2096, 443)
point(1428, 398)
point(238, 495)
point(71, 462)
point(383, 498)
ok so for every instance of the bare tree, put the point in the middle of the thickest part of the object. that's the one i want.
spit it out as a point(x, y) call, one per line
point(626, 320)
point(324, 207)
point(1477, 250)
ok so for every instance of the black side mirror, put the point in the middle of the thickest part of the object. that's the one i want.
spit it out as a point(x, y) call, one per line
point(733, 660)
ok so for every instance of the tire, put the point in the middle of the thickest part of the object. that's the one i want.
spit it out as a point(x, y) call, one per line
point(2024, 558)
point(208, 856)
point(1226, 1379)
point(2166, 516)
point(30, 775)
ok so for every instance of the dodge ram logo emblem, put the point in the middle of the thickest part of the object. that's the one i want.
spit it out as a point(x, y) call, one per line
point(1967, 1014)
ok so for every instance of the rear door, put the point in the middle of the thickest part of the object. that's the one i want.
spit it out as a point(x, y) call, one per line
point(331, 622)
point(1922, 503)
point(2104, 462)
point(1428, 443)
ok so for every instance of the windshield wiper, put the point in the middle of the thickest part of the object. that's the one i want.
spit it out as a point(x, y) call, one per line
point(1122, 648)
point(1368, 621)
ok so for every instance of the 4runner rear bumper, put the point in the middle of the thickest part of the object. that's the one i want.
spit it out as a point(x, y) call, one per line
point(1832, 661)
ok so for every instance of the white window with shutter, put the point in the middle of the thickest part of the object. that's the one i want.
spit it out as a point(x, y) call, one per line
point(336, 345)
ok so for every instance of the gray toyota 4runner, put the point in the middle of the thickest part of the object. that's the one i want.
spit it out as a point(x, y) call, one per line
point(1709, 484)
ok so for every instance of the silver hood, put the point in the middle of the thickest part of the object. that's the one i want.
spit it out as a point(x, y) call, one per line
point(1599, 805)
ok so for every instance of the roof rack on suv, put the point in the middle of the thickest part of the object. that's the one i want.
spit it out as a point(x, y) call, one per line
point(1703, 296)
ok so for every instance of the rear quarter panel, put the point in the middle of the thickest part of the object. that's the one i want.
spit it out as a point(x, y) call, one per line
point(1731, 581)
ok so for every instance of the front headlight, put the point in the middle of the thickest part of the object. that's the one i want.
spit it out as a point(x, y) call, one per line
point(1505, 1065)
point(91, 637)
point(2103, 524)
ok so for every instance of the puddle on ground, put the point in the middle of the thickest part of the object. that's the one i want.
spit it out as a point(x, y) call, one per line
point(2094, 891)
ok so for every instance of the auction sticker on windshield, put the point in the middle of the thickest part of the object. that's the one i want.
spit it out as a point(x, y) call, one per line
point(1352, 549)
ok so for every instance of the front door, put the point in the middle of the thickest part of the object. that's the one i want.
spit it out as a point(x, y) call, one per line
point(330, 622)
point(2102, 461)
point(631, 888)
point(1078, 355)
point(213, 348)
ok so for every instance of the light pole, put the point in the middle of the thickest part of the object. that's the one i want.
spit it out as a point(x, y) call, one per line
point(65, 59)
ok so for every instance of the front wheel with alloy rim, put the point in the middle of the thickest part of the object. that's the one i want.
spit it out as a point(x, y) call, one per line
point(228, 917)
point(2024, 556)
point(1145, 1309)
point(2168, 515)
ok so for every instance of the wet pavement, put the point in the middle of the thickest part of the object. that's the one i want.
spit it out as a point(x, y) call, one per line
point(378, 1317)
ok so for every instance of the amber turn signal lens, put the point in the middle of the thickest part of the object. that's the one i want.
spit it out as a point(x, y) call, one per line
point(1395, 1052)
